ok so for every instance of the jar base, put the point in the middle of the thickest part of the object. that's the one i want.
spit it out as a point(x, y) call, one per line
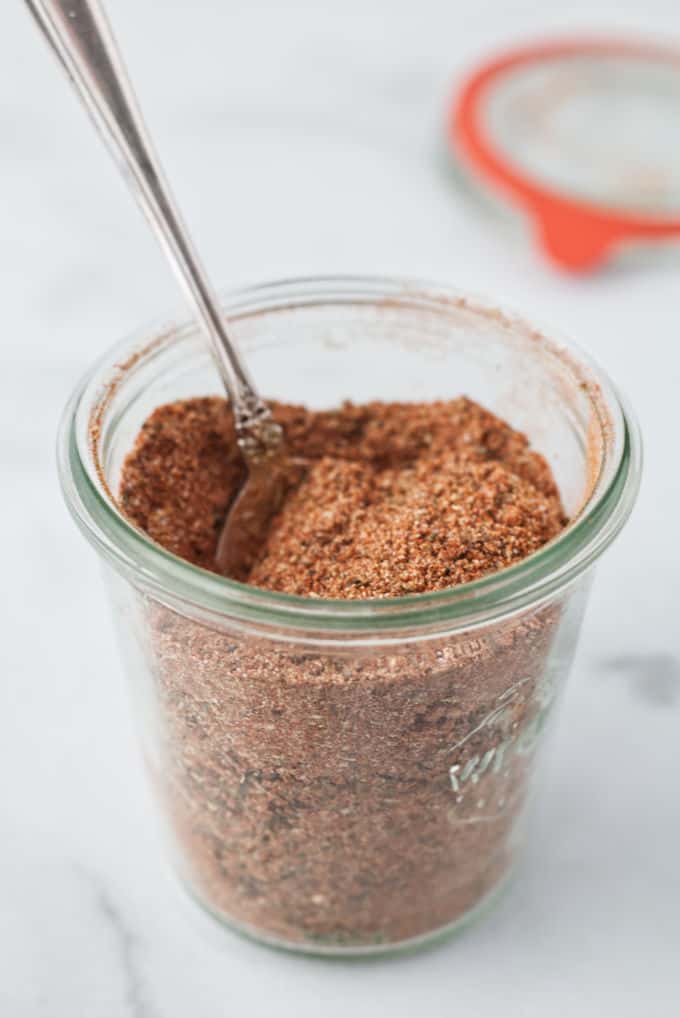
point(359, 951)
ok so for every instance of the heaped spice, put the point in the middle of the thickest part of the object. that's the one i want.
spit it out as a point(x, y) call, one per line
point(397, 499)
point(349, 796)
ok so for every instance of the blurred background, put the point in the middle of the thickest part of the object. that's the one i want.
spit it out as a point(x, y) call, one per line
point(306, 138)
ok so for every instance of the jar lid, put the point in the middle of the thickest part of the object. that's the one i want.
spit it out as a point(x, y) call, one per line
point(581, 135)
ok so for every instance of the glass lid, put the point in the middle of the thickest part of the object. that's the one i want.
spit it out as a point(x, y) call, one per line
point(583, 136)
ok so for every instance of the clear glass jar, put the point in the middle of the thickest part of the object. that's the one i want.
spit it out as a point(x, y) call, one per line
point(349, 777)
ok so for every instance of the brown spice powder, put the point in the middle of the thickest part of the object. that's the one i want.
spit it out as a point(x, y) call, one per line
point(336, 796)
point(398, 498)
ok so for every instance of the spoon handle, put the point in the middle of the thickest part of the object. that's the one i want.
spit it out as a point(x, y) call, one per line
point(79, 34)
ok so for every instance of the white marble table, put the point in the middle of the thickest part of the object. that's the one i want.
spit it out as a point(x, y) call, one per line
point(304, 137)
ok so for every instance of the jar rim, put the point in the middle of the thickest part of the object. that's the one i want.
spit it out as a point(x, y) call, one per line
point(180, 583)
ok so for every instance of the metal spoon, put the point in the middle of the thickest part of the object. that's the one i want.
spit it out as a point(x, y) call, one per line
point(79, 34)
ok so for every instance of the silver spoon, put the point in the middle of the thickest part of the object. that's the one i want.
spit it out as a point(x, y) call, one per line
point(79, 34)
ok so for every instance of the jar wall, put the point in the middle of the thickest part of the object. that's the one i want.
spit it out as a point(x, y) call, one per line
point(343, 798)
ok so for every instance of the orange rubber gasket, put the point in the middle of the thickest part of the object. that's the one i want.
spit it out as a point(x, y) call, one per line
point(575, 233)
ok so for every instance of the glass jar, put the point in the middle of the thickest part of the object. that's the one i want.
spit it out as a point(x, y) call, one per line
point(346, 777)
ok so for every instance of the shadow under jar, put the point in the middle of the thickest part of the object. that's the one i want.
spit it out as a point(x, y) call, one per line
point(346, 777)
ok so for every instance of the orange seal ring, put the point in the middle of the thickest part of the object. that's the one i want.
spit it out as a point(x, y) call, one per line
point(575, 233)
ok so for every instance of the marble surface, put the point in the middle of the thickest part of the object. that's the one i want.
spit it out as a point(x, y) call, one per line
point(305, 137)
